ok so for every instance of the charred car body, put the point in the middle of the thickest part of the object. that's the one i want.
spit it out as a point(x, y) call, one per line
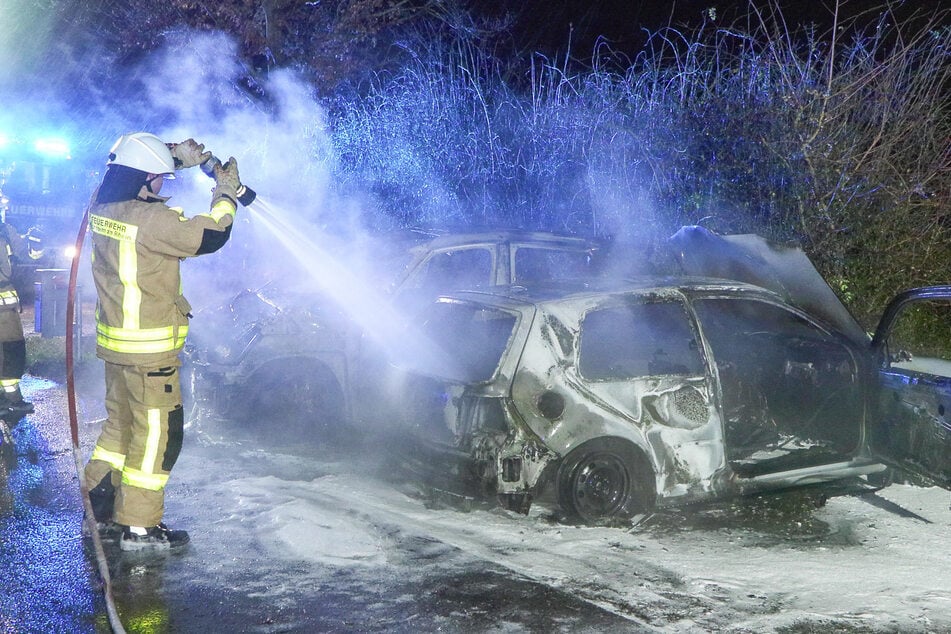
point(625, 396)
point(294, 353)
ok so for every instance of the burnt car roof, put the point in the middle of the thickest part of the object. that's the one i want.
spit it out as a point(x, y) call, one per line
point(515, 296)
point(572, 289)
point(509, 235)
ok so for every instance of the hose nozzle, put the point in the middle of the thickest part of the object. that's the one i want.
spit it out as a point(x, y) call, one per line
point(246, 195)
point(208, 167)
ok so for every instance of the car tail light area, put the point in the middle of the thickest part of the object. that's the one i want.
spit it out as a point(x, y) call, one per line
point(507, 458)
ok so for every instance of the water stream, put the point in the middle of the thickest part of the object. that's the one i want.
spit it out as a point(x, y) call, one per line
point(360, 299)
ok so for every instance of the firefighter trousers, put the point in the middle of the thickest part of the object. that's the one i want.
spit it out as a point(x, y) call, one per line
point(140, 440)
point(12, 352)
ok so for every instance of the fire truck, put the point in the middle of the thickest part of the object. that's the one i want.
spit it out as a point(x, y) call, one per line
point(44, 187)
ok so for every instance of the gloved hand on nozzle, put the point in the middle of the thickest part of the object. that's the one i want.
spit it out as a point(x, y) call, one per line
point(188, 153)
point(228, 183)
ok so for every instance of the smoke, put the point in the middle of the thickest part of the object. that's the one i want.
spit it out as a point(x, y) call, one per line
point(194, 86)
point(197, 87)
point(301, 237)
point(25, 31)
point(305, 234)
point(278, 139)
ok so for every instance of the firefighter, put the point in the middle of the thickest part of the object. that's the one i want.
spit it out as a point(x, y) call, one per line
point(13, 247)
point(141, 323)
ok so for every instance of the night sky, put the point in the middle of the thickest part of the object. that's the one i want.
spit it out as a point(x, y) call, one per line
point(545, 25)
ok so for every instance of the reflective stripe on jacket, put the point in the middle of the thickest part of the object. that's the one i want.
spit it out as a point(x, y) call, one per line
point(138, 245)
point(9, 298)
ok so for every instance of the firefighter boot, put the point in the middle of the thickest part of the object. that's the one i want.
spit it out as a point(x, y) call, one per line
point(103, 500)
point(13, 408)
point(153, 538)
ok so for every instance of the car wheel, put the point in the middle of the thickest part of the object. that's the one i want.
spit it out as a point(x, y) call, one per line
point(295, 403)
point(881, 479)
point(605, 481)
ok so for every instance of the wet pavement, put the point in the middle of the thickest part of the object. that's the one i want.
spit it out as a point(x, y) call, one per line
point(221, 583)
point(48, 580)
point(434, 569)
point(49, 584)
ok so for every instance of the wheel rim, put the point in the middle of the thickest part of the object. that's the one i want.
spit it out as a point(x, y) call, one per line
point(601, 486)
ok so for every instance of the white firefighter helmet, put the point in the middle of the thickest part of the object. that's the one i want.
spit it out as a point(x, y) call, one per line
point(142, 151)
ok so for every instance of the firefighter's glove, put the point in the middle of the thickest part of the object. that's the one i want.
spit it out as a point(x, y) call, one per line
point(188, 153)
point(227, 182)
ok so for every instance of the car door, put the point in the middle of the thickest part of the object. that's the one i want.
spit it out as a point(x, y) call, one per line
point(910, 412)
point(790, 389)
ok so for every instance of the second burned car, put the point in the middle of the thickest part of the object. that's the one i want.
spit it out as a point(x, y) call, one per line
point(292, 354)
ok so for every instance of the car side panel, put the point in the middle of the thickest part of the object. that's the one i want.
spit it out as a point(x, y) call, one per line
point(671, 418)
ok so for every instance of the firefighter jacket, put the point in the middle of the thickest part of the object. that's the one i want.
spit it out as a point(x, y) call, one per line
point(12, 245)
point(141, 315)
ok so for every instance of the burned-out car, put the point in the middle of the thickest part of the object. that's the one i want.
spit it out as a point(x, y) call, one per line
point(288, 356)
point(623, 396)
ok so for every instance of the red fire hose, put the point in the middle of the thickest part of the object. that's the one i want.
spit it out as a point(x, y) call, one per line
point(70, 310)
point(90, 519)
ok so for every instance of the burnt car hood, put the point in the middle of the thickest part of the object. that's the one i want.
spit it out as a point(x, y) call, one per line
point(753, 259)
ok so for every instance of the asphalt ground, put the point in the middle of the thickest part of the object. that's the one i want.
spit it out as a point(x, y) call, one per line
point(50, 580)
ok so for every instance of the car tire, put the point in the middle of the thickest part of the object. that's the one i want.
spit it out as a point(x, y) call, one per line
point(605, 481)
point(301, 407)
point(881, 479)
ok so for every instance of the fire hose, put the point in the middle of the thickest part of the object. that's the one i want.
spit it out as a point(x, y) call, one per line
point(89, 517)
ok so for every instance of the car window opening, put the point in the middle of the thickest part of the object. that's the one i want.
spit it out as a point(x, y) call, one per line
point(639, 340)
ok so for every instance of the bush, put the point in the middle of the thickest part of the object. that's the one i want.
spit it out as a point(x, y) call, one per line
point(841, 145)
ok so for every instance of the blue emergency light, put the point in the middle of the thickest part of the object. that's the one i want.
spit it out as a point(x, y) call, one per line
point(52, 147)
